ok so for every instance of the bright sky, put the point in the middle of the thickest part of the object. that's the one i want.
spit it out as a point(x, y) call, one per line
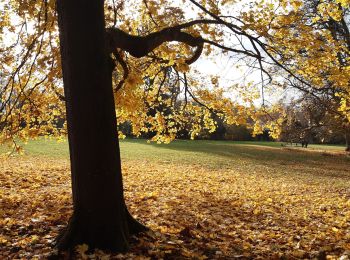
point(227, 68)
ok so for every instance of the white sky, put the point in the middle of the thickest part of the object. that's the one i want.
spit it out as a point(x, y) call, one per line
point(226, 67)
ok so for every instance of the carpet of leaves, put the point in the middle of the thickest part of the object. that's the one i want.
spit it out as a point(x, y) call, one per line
point(193, 211)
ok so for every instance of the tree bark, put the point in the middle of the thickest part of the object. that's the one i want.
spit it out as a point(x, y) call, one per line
point(100, 218)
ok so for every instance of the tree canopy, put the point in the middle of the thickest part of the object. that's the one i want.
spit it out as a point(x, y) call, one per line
point(156, 87)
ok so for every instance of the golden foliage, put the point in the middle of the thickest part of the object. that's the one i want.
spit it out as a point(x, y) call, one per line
point(314, 53)
point(30, 96)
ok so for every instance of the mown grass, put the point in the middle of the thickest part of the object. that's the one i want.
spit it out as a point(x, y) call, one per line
point(210, 154)
point(42, 147)
point(268, 157)
point(139, 148)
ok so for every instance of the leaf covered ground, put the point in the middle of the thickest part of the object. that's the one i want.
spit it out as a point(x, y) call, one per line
point(202, 200)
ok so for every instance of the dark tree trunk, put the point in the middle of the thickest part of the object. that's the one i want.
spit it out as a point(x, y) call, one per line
point(347, 140)
point(100, 217)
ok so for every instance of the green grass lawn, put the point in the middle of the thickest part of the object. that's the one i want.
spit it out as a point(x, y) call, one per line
point(139, 148)
point(210, 154)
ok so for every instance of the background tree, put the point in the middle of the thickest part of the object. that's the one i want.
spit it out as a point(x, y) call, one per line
point(307, 119)
point(311, 40)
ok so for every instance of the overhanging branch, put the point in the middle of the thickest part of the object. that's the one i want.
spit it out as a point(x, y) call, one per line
point(140, 46)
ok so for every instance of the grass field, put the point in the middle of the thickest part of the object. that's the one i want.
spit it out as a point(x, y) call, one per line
point(52, 148)
point(202, 199)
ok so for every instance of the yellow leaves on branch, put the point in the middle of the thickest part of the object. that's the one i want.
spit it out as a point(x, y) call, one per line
point(344, 3)
point(330, 10)
point(145, 101)
point(301, 42)
point(296, 4)
point(344, 106)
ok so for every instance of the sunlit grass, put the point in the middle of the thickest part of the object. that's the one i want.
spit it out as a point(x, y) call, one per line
point(139, 148)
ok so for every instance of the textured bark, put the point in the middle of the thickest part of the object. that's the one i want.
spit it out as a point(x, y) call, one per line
point(100, 217)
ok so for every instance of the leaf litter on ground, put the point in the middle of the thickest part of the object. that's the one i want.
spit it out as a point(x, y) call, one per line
point(241, 211)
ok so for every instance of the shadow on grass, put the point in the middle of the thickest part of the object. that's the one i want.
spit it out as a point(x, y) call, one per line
point(264, 154)
point(273, 161)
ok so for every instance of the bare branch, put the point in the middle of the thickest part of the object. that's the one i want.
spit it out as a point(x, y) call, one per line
point(125, 68)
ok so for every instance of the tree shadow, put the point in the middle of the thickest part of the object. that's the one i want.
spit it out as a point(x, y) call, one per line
point(220, 228)
point(272, 157)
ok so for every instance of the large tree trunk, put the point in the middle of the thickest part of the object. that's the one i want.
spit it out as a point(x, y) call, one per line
point(100, 217)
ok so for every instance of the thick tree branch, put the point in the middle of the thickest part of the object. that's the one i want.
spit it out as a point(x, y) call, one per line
point(140, 46)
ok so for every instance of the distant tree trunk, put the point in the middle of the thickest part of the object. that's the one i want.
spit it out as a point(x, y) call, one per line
point(347, 140)
point(219, 133)
point(100, 218)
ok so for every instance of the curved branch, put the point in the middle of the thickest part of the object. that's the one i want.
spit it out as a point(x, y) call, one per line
point(125, 68)
point(140, 46)
point(194, 97)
